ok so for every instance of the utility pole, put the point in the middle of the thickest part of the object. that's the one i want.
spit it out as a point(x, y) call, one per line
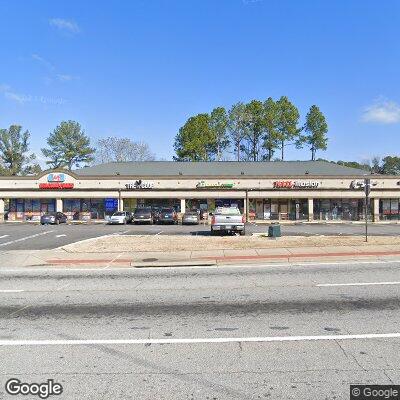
point(247, 205)
point(367, 190)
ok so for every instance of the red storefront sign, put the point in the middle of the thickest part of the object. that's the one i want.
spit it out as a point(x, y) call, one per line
point(283, 184)
point(56, 185)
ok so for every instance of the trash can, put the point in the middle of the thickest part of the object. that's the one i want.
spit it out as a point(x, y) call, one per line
point(274, 231)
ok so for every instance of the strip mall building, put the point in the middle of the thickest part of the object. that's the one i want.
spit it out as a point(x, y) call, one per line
point(292, 190)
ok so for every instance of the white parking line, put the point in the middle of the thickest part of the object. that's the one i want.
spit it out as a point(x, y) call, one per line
point(58, 236)
point(25, 238)
point(268, 339)
point(11, 291)
point(357, 284)
point(4, 236)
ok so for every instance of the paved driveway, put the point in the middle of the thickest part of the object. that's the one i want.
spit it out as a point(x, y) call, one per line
point(14, 236)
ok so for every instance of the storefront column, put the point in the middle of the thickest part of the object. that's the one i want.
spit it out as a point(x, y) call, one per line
point(59, 205)
point(310, 209)
point(375, 209)
point(120, 204)
point(183, 206)
point(1, 210)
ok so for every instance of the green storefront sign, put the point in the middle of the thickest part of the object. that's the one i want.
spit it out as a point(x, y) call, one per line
point(215, 185)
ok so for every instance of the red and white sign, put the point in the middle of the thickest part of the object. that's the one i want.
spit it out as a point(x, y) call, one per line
point(56, 186)
point(295, 184)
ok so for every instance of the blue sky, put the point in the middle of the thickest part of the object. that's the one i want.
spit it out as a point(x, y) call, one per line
point(140, 68)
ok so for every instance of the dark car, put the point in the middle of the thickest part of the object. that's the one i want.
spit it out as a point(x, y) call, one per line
point(144, 214)
point(53, 218)
point(167, 216)
point(190, 218)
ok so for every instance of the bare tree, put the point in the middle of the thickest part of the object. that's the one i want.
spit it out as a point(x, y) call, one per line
point(115, 149)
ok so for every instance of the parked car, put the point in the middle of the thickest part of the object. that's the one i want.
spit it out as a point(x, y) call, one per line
point(190, 218)
point(227, 219)
point(167, 216)
point(54, 218)
point(121, 217)
point(144, 214)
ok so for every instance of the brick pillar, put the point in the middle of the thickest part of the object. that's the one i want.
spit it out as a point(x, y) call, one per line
point(310, 209)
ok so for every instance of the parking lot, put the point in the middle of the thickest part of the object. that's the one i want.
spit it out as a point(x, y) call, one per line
point(24, 236)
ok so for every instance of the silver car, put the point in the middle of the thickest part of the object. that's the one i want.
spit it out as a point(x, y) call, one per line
point(190, 218)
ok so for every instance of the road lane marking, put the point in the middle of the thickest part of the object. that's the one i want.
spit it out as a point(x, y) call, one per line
point(357, 284)
point(270, 339)
point(25, 238)
point(11, 290)
point(159, 233)
point(58, 236)
point(4, 236)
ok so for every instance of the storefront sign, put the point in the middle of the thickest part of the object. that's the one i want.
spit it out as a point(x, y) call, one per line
point(215, 185)
point(56, 178)
point(111, 204)
point(140, 185)
point(295, 184)
point(56, 186)
point(357, 185)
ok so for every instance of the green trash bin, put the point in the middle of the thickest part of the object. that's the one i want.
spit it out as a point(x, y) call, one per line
point(274, 231)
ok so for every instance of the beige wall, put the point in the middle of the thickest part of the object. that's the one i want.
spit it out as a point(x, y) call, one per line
point(186, 188)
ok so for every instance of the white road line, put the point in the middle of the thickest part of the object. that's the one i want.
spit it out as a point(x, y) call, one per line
point(159, 233)
point(4, 236)
point(11, 290)
point(25, 238)
point(270, 339)
point(357, 284)
point(58, 236)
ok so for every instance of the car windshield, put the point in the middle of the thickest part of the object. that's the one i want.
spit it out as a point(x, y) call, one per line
point(227, 211)
point(167, 210)
point(119, 214)
point(143, 210)
point(50, 214)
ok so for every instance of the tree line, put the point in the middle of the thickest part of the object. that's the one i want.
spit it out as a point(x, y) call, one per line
point(68, 147)
point(252, 131)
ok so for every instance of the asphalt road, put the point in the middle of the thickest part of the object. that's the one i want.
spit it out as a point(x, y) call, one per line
point(205, 319)
point(15, 236)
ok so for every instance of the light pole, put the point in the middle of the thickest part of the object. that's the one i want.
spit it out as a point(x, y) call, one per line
point(367, 190)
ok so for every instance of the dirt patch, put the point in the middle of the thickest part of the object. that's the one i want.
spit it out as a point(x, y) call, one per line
point(189, 243)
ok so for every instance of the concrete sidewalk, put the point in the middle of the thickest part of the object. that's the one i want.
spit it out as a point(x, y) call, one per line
point(196, 257)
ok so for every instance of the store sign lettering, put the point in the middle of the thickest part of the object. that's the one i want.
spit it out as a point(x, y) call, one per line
point(295, 184)
point(56, 186)
point(215, 185)
point(140, 185)
point(56, 178)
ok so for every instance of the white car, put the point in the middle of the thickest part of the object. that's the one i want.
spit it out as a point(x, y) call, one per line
point(121, 217)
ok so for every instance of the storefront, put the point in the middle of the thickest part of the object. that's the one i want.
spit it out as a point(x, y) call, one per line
point(270, 191)
point(29, 209)
point(339, 209)
point(389, 209)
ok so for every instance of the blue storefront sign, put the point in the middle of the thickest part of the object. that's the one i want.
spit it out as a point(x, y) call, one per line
point(56, 178)
point(111, 204)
